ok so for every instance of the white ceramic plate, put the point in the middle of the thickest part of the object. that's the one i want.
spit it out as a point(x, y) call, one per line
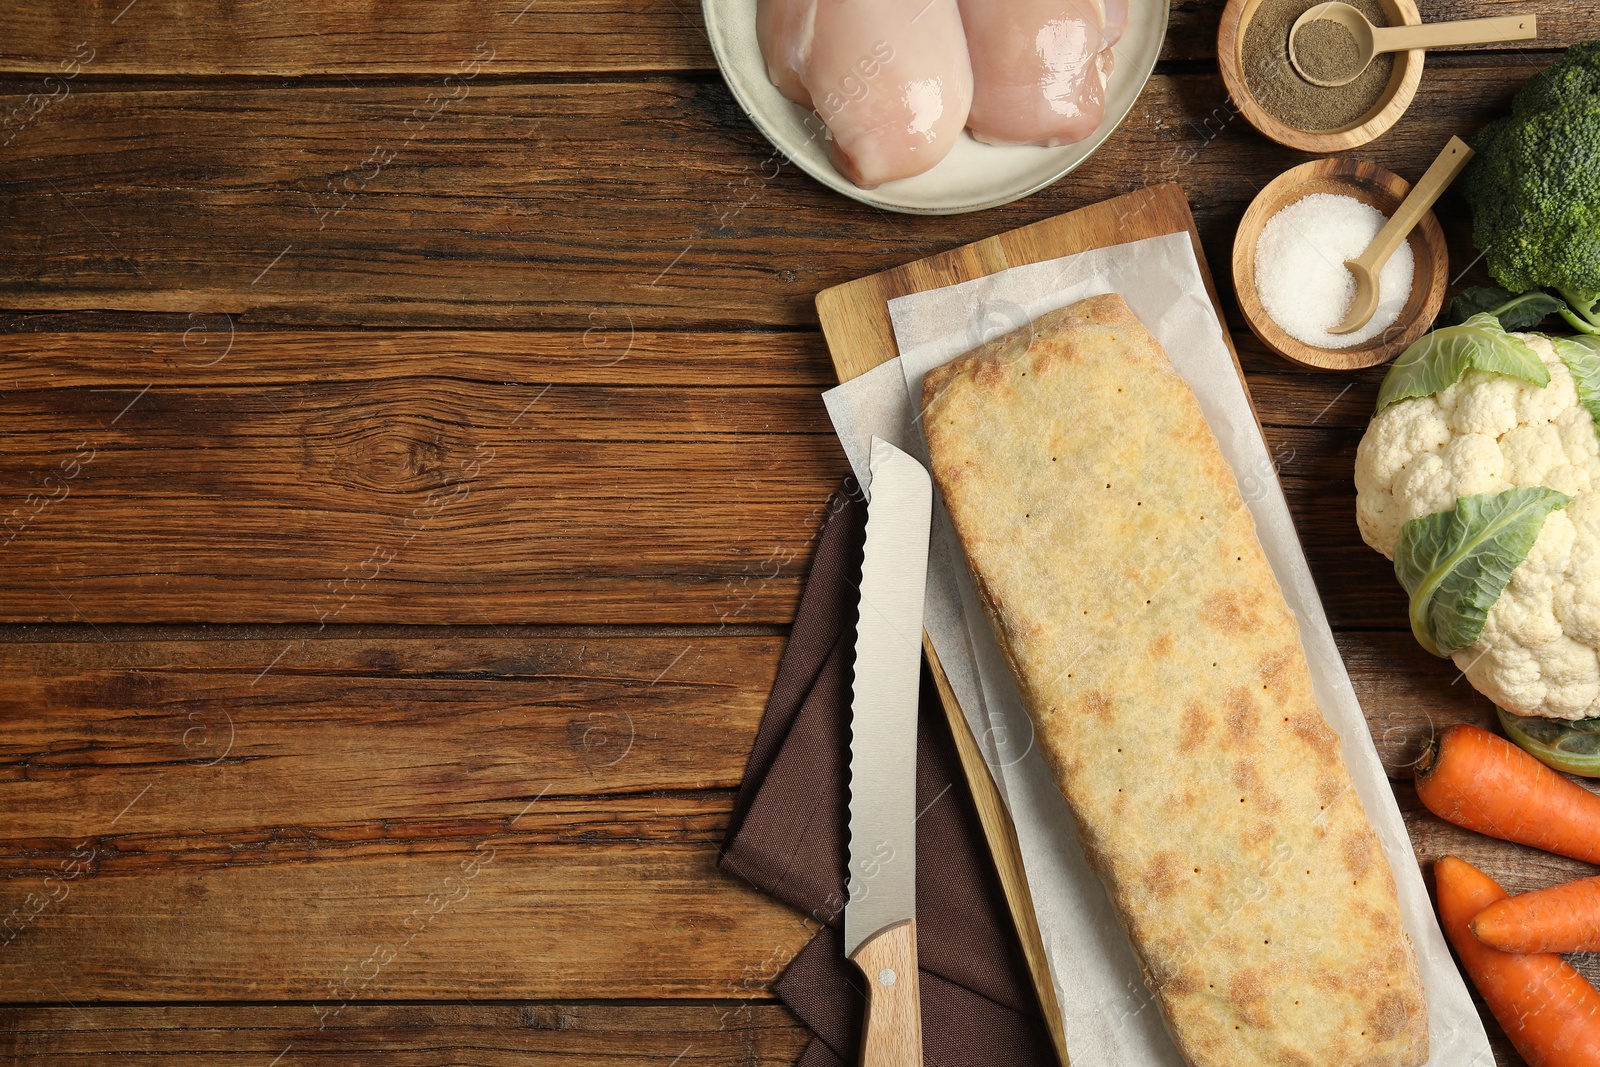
point(974, 176)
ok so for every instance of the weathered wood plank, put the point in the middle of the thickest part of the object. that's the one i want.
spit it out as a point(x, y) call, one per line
point(1316, 465)
point(481, 919)
point(249, 819)
point(306, 451)
point(1410, 696)
point(253, 736)
point(326, 809)
point(411, 500)
point(178, 838)
point(1285, 397)
point(1407, 694)
point(552, 36)
point(590, 204)
point(736, 1033)
point(210, 350)
point(351, 38)
point(742, 1034)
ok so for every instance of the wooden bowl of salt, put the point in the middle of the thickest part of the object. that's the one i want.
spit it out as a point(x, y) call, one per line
point(1376, 187)
point(1278, 102)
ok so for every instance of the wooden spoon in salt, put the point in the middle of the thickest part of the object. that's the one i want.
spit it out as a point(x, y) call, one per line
point(1367, 266)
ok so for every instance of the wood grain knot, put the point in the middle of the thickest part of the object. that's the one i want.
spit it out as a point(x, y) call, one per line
point(404, 455)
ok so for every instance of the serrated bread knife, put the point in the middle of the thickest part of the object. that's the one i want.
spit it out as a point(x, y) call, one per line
point(880, 926)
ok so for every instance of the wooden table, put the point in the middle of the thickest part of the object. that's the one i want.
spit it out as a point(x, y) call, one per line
point(412, 448)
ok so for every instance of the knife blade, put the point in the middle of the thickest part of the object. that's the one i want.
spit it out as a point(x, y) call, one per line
point(880, 914)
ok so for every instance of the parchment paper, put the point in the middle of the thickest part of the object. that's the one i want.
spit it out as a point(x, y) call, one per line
point(1110, 1017)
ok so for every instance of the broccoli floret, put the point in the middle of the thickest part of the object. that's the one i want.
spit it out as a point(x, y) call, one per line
point(1576, 76)
point(1534, 186)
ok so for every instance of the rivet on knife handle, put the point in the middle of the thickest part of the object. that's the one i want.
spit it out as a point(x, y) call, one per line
point(892, 1033)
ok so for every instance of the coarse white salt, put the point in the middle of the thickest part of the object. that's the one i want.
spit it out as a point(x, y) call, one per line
point(1301, 277)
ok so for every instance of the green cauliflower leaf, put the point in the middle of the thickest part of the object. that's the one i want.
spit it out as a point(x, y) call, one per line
point(1437, 360)
point(1455, 564)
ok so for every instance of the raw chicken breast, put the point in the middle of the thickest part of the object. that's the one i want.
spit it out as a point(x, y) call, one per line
point(890, 78)
point(784, 29)
point(1040, 67)
point(1116, 20)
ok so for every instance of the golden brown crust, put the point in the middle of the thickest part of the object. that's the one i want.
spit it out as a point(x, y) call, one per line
point(1164, 672)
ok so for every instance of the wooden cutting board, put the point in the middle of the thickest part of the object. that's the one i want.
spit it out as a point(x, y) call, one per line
point(855, 320)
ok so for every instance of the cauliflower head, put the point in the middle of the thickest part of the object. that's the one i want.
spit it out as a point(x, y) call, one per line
point(1539, 651)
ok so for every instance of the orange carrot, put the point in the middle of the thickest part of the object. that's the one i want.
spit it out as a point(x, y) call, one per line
point(1549, 1010)
point(1475, 779)
point(1563, 918)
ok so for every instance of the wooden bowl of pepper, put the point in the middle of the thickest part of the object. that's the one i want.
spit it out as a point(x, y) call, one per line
point(1253, 52)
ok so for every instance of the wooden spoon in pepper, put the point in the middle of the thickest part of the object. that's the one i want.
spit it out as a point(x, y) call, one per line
point(1373, 40)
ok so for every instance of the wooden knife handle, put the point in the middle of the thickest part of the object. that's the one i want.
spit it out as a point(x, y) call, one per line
point(892, 1033)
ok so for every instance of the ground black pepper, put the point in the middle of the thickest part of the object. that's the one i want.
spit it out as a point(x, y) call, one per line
point(1327, 50)
point(1289, 98)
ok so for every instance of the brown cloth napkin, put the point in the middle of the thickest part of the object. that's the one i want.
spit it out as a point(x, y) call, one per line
point(787, 837)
